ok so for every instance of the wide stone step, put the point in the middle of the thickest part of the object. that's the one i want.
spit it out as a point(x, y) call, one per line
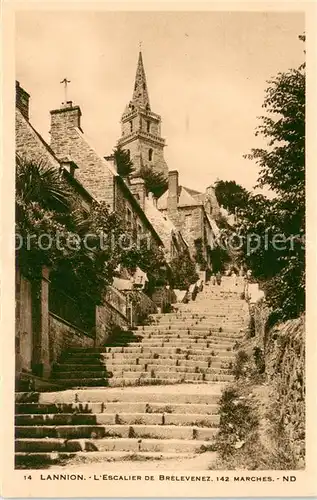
point(185, 336)
point(106, 445)
point(41, 410)
point(200, 318)
point(61, 374)
point(192, 313)
point(148, 357)
point(122, 379)
point(165, 395)
point(83, 382)
point(193, 319)
point(218, 333)
point(169, 350)
point(38, 460)
point(117, 370)
point(128, 418)
point(115, 431)
point(201, 327)
point(173, 374)
point(123, 363)
point(184, 343)
point(160, 353)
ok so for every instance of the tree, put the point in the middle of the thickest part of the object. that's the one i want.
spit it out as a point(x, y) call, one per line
point(183, 271)
point(155, 182)
point(123, 162)
point(82, 250)
point(282, 169)
point(231, 195)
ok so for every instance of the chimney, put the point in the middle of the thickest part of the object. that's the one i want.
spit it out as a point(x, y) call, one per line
point(63, 120)
point(111, 159)
point(137, 187)
point(22, 100)
point(172, 199)
point(152, 199)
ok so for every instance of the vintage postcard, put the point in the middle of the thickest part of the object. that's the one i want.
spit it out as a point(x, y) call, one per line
point(158, 249)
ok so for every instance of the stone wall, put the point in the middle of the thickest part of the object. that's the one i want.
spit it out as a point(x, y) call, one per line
point(284, 353)
point(106, 318)
point(139, 306)
point(63, 335)
point(163, 298)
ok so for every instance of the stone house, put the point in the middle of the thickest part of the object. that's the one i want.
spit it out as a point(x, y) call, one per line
point(47, 320)
point(193, 214)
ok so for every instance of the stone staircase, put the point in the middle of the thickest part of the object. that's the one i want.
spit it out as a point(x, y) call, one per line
point(142, 412)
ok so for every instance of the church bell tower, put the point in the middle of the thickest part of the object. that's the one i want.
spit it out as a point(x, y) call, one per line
point(141, 128)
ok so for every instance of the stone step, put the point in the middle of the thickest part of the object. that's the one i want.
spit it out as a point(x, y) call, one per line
point(129, 418)
point(212, 333)
point(115, 431)
point(159, 368)
point(173, 374)
point(30, 445)
point(168, 350)
point(63, 374)
point(149, 395)
point(158, 353)
point(41, 410)
point(38, 460)
point(147, 357)
point(221, 332)
point(157, 339)
point(192, 318)
point(155, 363)
point(123, 379)
point(98, 367)
point(183, 318)
point(184, 343)
point(213, 327)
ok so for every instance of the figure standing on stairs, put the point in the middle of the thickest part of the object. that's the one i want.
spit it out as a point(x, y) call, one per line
point(218, 278)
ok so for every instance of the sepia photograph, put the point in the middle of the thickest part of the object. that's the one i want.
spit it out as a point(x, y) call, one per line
point(160, 245)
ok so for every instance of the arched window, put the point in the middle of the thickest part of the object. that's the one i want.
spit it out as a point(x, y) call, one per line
point(148, 126)
point(131, 126)
point(128, 153)
point(150, 154)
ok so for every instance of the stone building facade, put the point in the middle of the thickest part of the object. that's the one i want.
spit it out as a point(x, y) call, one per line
point(95, 173)
point(193, 214)
point(42, 331)
point(141, 128)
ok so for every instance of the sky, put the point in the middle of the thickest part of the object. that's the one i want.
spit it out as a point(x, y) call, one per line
point(206, 72)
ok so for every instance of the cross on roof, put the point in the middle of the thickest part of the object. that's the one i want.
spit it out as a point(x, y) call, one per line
point(65, 82)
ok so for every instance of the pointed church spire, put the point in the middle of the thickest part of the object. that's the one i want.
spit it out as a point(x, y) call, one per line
point(140, 92)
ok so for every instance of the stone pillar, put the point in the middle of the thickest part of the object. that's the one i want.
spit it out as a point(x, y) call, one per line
point(41, 357)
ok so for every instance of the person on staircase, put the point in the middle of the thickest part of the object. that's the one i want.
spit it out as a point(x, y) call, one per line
point(218, 278)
